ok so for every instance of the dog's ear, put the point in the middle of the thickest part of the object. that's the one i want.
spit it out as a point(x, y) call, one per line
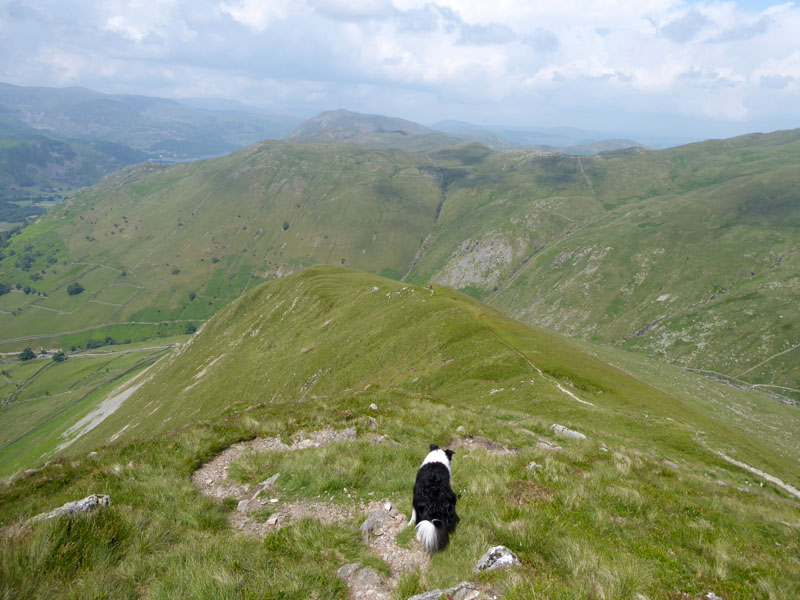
point(449, 454)
point(434, 447)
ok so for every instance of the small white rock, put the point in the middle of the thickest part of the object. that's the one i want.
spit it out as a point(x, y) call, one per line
point(564, 432)
point(273, 500)
point(387, 506)
point(373, 406)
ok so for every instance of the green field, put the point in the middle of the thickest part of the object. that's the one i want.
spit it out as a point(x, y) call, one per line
point(642, 508)
point(40, 398)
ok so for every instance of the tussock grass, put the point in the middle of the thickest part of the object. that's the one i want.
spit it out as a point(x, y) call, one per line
point(602, 518)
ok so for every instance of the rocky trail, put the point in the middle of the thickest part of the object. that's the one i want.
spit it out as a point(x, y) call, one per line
point(380, 530)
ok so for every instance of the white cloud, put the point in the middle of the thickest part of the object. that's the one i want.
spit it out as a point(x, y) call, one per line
point(257, 14)
point(455, 58)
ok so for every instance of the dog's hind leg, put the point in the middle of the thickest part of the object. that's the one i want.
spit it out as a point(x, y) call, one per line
point(413, 516)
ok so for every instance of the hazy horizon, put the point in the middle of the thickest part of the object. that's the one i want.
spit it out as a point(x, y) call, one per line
point(645, 69)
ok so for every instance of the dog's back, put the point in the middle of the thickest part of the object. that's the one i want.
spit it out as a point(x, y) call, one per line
point(434, 501)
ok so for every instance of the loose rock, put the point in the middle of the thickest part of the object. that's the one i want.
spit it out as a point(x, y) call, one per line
point(569, 433)
point(496, 557)
point(463, 591)
point(364, 582)
point(374, 522)
point(86, 505)
point(533, 465)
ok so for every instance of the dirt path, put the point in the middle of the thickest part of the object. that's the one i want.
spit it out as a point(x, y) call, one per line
point(771, 478)
point(384, 521)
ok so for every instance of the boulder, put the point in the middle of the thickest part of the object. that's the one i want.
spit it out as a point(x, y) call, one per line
point(568, 433)
point(463, 591)
point(496, 557)
point(86, 505)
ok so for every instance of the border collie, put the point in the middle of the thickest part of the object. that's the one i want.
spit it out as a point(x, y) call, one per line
point(434, 503)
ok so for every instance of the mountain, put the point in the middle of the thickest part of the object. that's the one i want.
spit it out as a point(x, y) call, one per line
point(371, 131)
point(565, 140)
point(157, 126)
point(687, 254)
point(36, 170)
point(337, 381)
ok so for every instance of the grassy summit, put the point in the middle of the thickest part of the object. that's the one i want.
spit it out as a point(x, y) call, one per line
point(643, 506)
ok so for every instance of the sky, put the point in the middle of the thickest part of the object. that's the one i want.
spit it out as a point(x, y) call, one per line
point(688, 69)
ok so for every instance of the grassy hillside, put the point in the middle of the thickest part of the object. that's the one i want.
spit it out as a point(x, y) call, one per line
point(36, 170)
point(41, 398)
point(701, 269)
point(370, 131)
point(687, 254)
point(641, 507)
point(156, 245)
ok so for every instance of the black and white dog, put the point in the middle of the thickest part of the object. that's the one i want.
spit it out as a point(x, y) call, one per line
point(434, 504)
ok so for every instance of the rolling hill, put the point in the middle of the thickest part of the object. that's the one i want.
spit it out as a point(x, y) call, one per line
point(370, 131)
point(648, 503)
point(687, 254)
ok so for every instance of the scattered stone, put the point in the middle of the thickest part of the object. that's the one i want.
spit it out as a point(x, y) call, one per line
point(496, 557)
point(92, 454)
point(670, 464)
point(268, 482)
point(374, 522)
point(273, 520)
point(463, 591)
point(387, 507)
point(346, 571)
point(545, 444)
point(373, 406)
point(273, 500)
point(533, 465)
point(711, 596)
point(86, 505)
point(364, 582)
point(471, 441)
point(373, 422)
point(569, 433)
point(460, 429)
point(242, 506)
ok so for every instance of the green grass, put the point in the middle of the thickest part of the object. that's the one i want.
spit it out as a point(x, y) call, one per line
point(585, 246)
point(641, 507)
point(40, 398)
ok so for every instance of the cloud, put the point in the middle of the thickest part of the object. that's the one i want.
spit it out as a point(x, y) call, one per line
point(543, 40)
point(448, 58)
point(684, 28)
point(744, 32)
point(483, 35)
point(255, 14)
point(354, 10)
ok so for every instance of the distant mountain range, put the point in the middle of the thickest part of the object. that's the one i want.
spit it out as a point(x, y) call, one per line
point(378, 131)
point(54, 140)
point(156, 126)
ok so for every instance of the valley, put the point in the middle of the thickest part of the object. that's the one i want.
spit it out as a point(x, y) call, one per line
point(258, 348)
point(687, 254)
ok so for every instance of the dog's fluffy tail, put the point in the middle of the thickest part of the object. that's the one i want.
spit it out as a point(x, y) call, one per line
point(432, 534)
